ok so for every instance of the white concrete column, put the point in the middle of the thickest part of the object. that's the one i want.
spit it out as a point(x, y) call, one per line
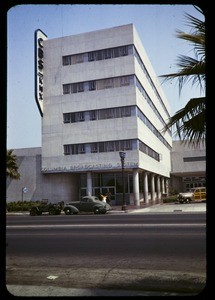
point(89, 184)
point(158, 187)
point(145, 187)
point(152, 187)
point(167, 185)
point(136, 187)
point(162, 185)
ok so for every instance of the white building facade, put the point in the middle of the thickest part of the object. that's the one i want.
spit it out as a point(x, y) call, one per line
point(188, 170)
point(100, 96)
point(188, 166)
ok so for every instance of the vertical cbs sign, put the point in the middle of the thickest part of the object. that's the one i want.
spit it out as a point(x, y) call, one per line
point(39, 68)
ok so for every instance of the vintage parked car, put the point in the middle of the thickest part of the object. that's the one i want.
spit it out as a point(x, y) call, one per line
point(45, 207)
point(87, 204)
point(195, 194)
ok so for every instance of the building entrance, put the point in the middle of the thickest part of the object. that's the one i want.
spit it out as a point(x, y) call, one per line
point(97, 191)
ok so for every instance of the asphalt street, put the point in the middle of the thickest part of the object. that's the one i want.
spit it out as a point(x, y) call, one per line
point(53, 290)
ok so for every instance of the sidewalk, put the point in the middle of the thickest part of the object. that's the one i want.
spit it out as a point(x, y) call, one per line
point(162, 207)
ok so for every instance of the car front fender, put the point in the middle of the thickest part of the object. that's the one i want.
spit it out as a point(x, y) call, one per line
point(72, 208)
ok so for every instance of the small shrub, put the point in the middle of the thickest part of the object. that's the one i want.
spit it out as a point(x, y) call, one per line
point(170, 199)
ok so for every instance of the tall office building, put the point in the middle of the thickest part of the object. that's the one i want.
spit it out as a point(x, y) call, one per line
point(98, 96)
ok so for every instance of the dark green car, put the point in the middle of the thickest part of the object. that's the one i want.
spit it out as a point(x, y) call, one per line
point(87, 204)
point(44, 207)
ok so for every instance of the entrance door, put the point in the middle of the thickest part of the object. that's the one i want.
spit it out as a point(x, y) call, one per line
point(112, 191)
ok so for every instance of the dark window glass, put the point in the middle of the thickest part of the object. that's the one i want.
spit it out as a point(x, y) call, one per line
point(92, 85)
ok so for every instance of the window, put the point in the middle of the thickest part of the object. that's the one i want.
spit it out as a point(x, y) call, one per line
point(92, 85)
point(108, 83)
point(81, 148)
point(127, 145)
point(123, 51)
point(99, 55)
point(91, 56)
point(66, 60)
point(79, 116)
point(94, 147)
point(74, 87)
point(110, 146)
point(197, 158)
point(107, 53)
point(79, 58)
point(84, 200)
point(110, 113)
point(93, 115)
point(116, 52)
point(66, 118)
point(100, 84)
point(80, 87)
point(126, 111)
point(66, 88)
point(142, 147)
point(101, 147)
point(101, 114)
point(66, 149)
point(124, 80)
point(72, 117)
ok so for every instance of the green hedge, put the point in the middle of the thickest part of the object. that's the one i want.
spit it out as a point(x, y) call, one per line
point(26, 205)
point(21, 205)
point(170, 199)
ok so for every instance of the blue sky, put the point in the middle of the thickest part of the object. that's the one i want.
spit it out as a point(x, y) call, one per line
point(155, 24)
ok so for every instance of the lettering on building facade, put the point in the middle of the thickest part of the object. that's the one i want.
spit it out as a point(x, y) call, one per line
point(89, 167)
point(39, 68)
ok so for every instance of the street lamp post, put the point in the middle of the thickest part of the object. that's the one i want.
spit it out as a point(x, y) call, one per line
point(122, 156)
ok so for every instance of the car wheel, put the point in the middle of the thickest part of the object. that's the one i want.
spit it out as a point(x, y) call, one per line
point(33, 212)
point(187, 201)
point(52, 211)
point(96, 210)
point(67, 211)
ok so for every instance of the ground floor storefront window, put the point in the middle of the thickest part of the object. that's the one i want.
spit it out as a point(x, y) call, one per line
point(192, 182)
point(111, 183)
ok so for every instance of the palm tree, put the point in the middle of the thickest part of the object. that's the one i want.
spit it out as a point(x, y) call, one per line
point(190, 122)
point(11, 165)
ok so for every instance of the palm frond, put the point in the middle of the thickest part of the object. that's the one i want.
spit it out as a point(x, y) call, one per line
point(197, 41)
point(11, 165)
point(196, 24)
point(189, 122)
point(189, 69)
